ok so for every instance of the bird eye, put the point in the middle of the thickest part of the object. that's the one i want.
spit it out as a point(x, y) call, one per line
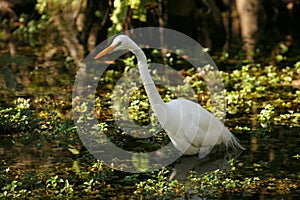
point(119, 43)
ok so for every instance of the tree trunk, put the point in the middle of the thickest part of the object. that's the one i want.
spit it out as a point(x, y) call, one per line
point(248, 14)
point(64, 24)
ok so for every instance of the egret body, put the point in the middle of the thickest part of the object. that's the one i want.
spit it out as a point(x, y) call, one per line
point(191, 128)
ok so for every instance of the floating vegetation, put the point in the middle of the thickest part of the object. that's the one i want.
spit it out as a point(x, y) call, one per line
point(42, 155)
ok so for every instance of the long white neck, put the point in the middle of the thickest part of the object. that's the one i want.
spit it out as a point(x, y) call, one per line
point(148, 83)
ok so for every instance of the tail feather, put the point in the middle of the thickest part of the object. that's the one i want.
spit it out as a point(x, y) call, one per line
point(230, 140)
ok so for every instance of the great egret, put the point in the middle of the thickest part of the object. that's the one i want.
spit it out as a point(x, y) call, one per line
point(191, 128)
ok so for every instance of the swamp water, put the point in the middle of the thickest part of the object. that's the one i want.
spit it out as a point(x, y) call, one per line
point(276, 161)
point(49, 160)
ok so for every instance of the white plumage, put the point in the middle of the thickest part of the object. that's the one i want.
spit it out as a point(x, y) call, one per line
point(191, 128)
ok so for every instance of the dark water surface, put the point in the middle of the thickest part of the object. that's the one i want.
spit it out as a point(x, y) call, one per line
point(272, 153)
point(275, 156)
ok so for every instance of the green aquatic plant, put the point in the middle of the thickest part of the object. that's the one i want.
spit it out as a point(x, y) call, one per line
point(159, 187)
point(213, 184)
point(59, 186)
point(12, 190)
point(19, 118)
point(266, 116)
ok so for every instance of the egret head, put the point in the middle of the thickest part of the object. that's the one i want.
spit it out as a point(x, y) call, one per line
point(121, 42)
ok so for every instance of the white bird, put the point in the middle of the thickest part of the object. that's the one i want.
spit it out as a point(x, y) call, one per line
point(191, 128)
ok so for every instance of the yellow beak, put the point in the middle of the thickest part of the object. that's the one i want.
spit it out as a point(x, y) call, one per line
point(107, 50)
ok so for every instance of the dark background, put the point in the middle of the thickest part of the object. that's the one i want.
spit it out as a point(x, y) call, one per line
point(255, 28)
